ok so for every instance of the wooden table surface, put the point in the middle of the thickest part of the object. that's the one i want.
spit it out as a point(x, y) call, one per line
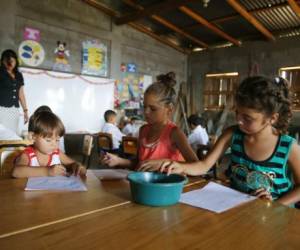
point(21, 209)
point(255, 225)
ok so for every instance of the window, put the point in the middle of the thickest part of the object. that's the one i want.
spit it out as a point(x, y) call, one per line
point(219, 90)
point(292, 74)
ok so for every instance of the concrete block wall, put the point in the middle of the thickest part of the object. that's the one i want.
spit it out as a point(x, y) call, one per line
point(270, 56)
point(73, 21)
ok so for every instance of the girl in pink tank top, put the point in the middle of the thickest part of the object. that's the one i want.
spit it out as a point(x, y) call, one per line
point(159, 139)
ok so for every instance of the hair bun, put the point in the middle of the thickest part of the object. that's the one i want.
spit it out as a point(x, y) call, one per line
point(168, 79)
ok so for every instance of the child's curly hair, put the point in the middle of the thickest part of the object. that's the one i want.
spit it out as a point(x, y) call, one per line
point(164, 88)
point(267, 95)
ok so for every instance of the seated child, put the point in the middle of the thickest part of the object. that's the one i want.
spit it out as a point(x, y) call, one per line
point(127, 128)
point(38, 110)
point(111, 128)
point(159, 138)
point(44, 158)
point(132, 127)
point(198, 134)
point(265, 161)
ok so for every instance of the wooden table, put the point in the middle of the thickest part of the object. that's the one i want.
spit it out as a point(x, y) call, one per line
point(255, 225)
point(20, 210)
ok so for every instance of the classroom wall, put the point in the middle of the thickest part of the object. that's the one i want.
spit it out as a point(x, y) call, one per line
point(270, 56)
point(71, 21)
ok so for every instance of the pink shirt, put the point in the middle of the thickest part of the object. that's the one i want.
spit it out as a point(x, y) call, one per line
point(162, 148)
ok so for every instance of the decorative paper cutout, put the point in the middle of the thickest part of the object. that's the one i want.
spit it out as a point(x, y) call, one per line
point(62, 55)
point(31, 53)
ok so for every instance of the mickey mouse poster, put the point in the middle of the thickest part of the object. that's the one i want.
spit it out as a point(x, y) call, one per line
point(61, 58)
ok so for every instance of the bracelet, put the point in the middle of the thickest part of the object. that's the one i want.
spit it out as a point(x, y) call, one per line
point(25, 110)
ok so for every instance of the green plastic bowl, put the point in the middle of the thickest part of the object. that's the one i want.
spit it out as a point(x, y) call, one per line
point(156, 189)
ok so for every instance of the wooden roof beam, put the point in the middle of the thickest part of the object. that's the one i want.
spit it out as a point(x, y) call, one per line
point(179, 31)
point(138, 27)
point(209, 25)
point(234, 16)
point(243, 12)
point(295, 7)
point(146, 30)
point(102, 7)
point(154, 9)
point(168, 24)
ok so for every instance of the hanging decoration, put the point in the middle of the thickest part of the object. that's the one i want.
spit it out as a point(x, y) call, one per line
point(31, 53)
point(123, 67)
point(129, 91)
point(61, 59)
point(94, 58)
point(31, 34)
point(131, 67)
point(66, 76)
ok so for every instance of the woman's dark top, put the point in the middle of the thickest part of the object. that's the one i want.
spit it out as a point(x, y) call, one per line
point(9, 88)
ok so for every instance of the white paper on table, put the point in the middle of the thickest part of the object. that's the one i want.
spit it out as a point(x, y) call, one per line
point(72, 183)
point(111, 174)
point(215, 197)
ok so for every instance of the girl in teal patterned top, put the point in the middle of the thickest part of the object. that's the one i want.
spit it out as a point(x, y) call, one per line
point(264, 160)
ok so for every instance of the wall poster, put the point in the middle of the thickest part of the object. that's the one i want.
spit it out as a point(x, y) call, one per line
point(95, 58)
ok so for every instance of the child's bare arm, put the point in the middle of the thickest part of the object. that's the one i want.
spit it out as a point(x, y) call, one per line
point(112, 160)
point(181, 142)
point(201, 167)
point(72, 167)
point(294, 164)
point(23, 170)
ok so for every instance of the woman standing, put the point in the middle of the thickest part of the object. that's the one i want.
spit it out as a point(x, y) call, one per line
point(11, 91)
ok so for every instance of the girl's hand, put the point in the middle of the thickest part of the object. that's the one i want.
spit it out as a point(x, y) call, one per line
point(152, 165)
point(56, 170)
point(262, 193)
point(26, 117)
point(82, 170)
point(172, 167)
point(75, 168)
point(110, 160)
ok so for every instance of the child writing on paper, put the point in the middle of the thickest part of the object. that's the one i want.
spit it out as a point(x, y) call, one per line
point(30, 125)
point(44, 158)
point(262, 154)
point(159, 138)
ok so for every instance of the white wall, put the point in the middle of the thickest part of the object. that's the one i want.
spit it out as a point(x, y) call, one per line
point(80, 101)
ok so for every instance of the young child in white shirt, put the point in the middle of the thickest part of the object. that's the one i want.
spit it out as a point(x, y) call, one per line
point(198, 134)
point(111, 128)
point(132, 127)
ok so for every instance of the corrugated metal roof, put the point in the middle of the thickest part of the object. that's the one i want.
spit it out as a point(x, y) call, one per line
point(275, 15)
point(258, 4)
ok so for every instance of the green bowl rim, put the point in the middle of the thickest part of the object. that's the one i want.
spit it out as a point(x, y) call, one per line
point(184, 181)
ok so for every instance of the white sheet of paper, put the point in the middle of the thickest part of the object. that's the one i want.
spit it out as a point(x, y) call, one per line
point(215, 197)
point(111, 174)
point(62, 183)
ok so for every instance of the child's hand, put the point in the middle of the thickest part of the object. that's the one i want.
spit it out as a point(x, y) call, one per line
point(152, 165)
point(75, 168)
point(110, 160)
point(56, 170)
point(82, 170)
point(262, 193)
point(172, 167)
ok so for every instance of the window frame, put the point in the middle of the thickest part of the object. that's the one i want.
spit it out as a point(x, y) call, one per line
point(287, 73)
point(226, 95)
